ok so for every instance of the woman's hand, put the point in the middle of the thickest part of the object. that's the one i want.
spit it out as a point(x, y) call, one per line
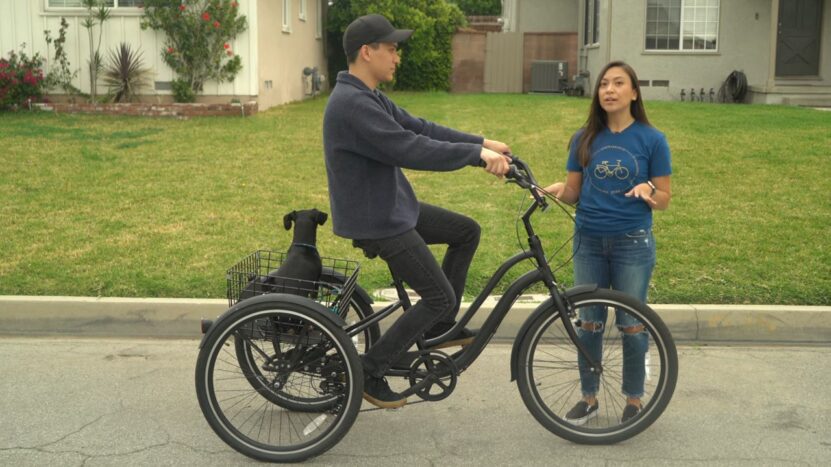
point(556, 189)
point(659, 198)
point(568, 192)
point(643, 191)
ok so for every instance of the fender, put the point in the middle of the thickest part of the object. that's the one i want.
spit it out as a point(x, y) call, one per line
point(544, 309)
point(262, 301)
point(328, 272)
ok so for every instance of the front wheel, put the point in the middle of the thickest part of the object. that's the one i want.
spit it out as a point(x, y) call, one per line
point(637, 357)
point(291, 340)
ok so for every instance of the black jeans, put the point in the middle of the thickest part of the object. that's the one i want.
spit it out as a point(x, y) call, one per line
point(440, 288)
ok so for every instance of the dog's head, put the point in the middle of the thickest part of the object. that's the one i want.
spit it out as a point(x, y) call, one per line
point(311, 215)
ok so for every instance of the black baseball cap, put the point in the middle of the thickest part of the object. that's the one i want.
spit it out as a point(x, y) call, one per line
point(370, 29)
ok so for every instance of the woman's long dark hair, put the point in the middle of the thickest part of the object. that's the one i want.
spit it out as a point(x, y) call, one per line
point(598, 119)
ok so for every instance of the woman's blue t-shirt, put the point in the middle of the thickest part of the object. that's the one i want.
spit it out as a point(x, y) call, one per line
point(619, 161)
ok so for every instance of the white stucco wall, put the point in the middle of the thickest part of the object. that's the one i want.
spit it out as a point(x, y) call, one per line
point(283, 55)
point(25, 20)
point(267, 52)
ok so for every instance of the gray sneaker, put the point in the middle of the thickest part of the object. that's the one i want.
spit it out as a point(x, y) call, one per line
point(629, 412)
point(581, 413)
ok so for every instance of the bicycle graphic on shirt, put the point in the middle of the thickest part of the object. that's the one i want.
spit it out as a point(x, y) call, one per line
point(604, 170)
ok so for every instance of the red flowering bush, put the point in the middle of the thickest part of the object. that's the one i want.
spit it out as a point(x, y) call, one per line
point(21, 80)
point(198, 33)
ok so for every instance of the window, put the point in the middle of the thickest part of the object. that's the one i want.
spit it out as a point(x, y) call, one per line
point(591, 22)
point(108, 3)
point(286, 15)
point(682, 25)
point(302, 14)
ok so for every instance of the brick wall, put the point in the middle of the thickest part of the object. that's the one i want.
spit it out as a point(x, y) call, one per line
point(157, 110)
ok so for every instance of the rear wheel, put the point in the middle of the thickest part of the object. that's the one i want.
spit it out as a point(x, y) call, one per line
point(637, 356)
point(290, 341)
point(298, 392)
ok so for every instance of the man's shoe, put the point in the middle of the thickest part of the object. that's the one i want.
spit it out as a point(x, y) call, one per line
point(463, 337)
point(377, 392)
point(629, 412)
point(581, 413)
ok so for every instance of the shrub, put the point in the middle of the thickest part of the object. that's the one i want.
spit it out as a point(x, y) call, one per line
point(21, 79)
point(125, 74)
point(97, 14)
point(59, 74)
point(183, 91)
point(199, 33)
point(426, 58)
point(480, 7)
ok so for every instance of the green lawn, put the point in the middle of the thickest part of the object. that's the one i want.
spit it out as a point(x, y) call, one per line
point(127, 206)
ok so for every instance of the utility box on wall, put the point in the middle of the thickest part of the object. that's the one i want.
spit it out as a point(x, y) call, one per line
point(549, 75)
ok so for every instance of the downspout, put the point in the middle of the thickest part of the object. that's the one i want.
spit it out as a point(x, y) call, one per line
point(583, 53)
point(516, 18)
point(774, 41)
point(609, 33)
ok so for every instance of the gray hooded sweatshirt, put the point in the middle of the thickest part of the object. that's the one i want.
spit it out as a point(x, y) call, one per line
point(367, 140)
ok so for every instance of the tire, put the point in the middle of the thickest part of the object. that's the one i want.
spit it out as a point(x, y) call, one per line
point(549, 375)
point(297, 394)
point(296, 338)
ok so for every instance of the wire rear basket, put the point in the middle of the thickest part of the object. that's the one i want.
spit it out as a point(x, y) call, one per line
point(256, 275)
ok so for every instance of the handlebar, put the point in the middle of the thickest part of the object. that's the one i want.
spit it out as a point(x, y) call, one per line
point(521, 175)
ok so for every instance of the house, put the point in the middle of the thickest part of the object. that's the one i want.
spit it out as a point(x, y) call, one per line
point(284, 38)
point(679, 46)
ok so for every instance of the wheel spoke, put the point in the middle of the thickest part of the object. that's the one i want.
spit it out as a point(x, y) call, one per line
point(553, 379)
point(279, 380)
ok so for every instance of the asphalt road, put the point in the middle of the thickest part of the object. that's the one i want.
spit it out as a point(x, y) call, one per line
point(73, 401)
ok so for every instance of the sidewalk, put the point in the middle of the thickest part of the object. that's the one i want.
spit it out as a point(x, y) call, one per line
point(179, 318)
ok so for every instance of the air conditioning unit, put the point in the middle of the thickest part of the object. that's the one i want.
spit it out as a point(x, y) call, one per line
point(549, 75)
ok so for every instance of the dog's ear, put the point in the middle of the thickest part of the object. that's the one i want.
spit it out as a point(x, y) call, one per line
point(288, 218)
point(320, 217)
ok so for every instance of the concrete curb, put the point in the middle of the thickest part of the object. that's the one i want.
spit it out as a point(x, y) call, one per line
point(179, 318)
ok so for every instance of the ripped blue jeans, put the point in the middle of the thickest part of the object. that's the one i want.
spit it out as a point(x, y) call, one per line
point(621, 262)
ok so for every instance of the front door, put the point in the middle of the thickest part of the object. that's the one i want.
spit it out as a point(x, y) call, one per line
point(800, 31)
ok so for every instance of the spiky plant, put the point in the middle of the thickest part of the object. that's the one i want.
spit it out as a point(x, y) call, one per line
point(125, 74)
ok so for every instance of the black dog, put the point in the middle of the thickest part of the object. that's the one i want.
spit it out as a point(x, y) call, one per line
point(302, 261)
point(301, 264)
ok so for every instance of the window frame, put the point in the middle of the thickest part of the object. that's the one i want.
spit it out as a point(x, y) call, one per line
point(116, 7)
point(591, 23)
point(303, 13)
point(681, 26)
point(586, 23)
point(286, 16)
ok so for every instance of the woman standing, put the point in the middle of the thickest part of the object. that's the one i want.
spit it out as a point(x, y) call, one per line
point(619, 170)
